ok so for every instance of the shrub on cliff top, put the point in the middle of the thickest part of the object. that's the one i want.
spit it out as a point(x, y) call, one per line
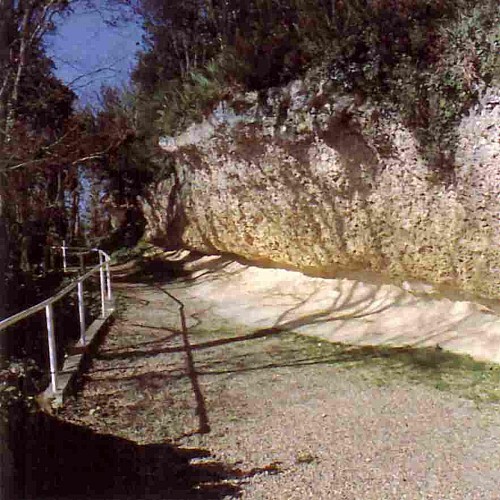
point(425, 59)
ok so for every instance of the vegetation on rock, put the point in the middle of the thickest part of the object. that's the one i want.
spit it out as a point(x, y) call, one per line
point(426, 60)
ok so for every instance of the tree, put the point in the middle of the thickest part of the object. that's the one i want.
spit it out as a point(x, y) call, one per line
point(23, 24)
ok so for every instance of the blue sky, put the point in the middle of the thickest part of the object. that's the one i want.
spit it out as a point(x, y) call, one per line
point(88, 53)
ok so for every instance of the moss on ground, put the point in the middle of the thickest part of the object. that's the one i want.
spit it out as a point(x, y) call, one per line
point(458, 374)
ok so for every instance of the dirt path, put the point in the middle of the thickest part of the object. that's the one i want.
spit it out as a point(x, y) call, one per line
point(268, 414)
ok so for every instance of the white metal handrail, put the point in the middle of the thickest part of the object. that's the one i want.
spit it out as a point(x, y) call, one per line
point(47, 305)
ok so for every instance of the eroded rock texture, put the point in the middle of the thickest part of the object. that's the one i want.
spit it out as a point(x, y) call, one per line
point(324, 182)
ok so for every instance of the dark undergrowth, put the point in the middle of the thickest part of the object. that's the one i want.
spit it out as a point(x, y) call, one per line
point(54, 459)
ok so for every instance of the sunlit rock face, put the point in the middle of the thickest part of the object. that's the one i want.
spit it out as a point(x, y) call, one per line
point(324, 182)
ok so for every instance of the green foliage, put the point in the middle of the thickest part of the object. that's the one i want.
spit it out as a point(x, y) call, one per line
point(424, 59)
point(186, 101)
point(126, 254)
point(189, 99)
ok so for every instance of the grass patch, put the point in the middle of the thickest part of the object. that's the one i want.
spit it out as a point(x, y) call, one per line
point(458, 374)
point(436, 368)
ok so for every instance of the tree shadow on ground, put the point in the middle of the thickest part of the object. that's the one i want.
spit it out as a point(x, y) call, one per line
point(428, 359)
point(61, 460)
point(174, 266)
point(147, 270)
point(431, 366)
point(181, 267)
point(116, 354)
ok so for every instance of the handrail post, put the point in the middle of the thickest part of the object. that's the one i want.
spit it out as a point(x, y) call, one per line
point(108, 274)
point(49, 314)
point(81, 257)
point(52, 258)
point(81, 313)
point(46, 259)
point(65, 264)
point(103, 285)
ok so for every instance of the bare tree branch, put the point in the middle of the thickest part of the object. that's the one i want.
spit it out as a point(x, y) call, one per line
point(95, 156)
point(90, 73)
point(6, 79)
point(21, 165)
point(30, 163)
point(44, 21)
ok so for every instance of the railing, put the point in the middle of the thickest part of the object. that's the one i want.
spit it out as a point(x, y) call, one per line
point(48, 305)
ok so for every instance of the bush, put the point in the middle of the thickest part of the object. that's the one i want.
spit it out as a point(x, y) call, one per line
point(189, 99)
point(424, 59)
point(19, 382)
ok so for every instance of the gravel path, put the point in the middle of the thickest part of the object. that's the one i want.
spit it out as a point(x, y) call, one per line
point(282, 416)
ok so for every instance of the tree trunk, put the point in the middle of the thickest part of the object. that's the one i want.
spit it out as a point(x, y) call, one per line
point(4, 248)
point(6, 37)
point(6, 24)
point(332, 9)
point(74, 229)
point(21, 65)
point(7, 470)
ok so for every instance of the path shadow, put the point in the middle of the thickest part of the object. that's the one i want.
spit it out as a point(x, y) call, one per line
point(147, 270)
point(201, 409)
point(140, 353)
point(341, 307)
point(428, 359)
point(183, 268)
point(60, 460)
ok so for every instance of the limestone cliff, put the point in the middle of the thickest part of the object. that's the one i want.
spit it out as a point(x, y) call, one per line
point(308, 178)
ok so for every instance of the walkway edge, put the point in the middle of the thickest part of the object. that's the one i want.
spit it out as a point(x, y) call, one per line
point(75, 363)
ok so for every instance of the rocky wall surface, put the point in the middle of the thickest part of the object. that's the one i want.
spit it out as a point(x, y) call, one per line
point(325, 182)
